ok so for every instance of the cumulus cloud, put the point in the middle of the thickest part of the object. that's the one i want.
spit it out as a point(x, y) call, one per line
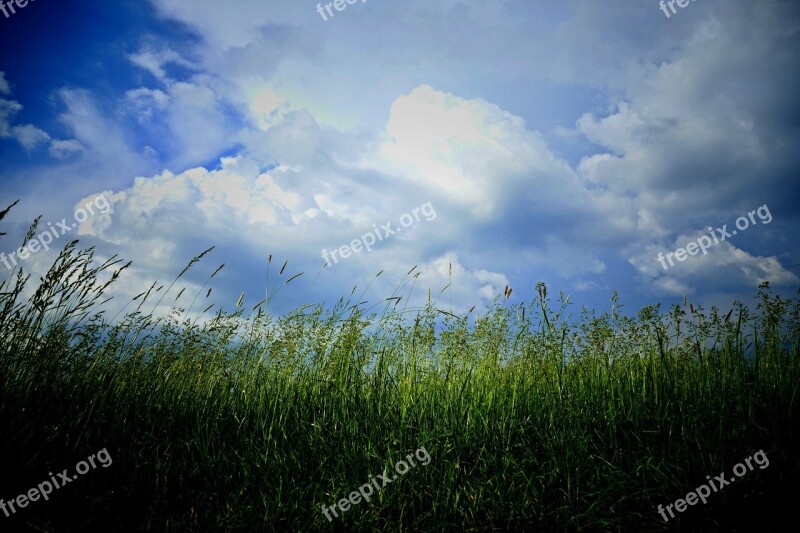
point(472, 152)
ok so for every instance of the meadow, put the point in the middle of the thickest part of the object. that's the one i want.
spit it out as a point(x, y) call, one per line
point(537, 416)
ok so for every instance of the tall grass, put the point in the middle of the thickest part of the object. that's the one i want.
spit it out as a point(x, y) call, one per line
point(535, 419)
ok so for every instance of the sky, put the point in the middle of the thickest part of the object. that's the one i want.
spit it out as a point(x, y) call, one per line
point(487, 143)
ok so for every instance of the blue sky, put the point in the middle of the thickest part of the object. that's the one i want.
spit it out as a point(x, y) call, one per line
point(566, 143)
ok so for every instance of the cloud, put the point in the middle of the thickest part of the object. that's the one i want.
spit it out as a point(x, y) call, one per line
point(156, 61)
point(472, 286)
point(29, 136)
point(102, 137)
point(267, 107)
point(144, 103)
point(64, 149)
point(471, 152)
point(4, 87)
point(478, 144)
point(698, 135)
point(194, 113)
point(732, 268)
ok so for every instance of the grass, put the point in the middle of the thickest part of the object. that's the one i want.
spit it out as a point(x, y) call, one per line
point(535, 419)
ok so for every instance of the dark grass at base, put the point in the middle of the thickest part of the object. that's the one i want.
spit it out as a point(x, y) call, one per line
point(174, 469)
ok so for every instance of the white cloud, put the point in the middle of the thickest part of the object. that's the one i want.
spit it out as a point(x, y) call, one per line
point(470, 151)
point(145, 102)
point(104, 140)
point(471, 286)
point(267, 107)
point(29, 136)
point(61, 149)
point(724, 267)
point(154, 61)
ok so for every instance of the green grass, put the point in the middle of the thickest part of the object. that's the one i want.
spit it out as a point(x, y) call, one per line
point(535, 418)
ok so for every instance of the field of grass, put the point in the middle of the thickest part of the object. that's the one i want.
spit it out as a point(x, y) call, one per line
point(536, 416)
